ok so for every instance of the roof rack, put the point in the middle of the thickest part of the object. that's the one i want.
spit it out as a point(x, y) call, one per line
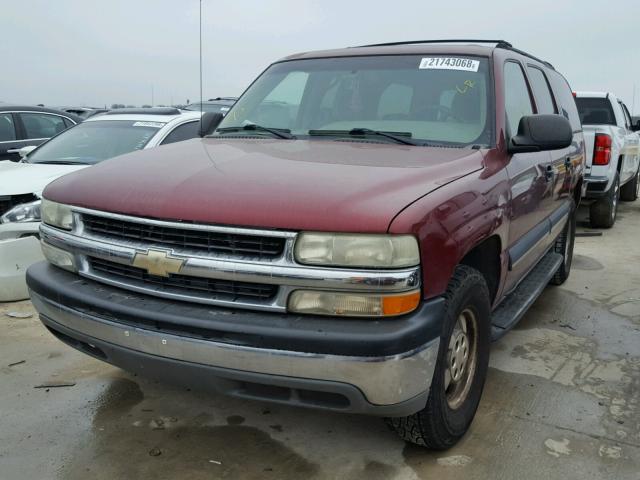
point(501, 43)
point(145, 111)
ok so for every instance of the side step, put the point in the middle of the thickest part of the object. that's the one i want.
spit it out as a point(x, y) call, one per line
point(512, 308)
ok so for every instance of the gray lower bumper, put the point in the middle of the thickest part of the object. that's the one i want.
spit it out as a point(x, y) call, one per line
point(395, 385)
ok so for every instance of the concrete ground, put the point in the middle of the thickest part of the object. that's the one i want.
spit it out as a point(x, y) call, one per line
point(562, 401)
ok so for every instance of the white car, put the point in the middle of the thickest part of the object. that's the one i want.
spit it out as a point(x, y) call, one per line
point(613, 155)
point(98, 138)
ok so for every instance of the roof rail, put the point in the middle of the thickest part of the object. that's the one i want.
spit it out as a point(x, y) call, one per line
point(145, 111)
point(528, 55)
point(501, 43)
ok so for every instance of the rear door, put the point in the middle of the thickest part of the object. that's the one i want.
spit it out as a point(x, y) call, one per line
point(9, 137)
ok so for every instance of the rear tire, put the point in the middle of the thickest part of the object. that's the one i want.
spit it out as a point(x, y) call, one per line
point(461, 368)
point(629, 191)
point(603, 212)
point(564, 246)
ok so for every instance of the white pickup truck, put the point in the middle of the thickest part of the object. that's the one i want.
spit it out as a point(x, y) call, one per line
point(613, 155)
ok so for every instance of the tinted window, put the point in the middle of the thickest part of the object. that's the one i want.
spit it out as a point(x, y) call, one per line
point(91, 142)
point(516, 96)
point(182, 132)
point(437, 99)
point(595, 111)
point(541, 91)
point(7, 129)
point(40, 125)
point(564, 97)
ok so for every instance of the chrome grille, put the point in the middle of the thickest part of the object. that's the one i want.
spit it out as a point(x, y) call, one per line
point(198, 241)
point(215, 289)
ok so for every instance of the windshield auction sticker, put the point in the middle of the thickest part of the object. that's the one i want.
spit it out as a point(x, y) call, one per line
point(148, 124)
point(449, 63)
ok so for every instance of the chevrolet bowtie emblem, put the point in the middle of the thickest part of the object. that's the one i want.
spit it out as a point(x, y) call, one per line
point(158, 262)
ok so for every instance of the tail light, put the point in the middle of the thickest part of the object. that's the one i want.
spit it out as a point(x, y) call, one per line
point(602, 149)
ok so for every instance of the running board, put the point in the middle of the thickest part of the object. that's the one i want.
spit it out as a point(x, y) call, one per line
point(512, 308)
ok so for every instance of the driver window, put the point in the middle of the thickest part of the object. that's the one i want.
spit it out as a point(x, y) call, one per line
point(517, 101)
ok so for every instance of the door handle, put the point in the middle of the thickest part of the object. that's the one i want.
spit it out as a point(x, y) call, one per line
point(550, 172)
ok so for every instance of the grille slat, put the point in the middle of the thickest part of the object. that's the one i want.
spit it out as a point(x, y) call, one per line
point(223, 289)
point(263, 247)
point(7, 202)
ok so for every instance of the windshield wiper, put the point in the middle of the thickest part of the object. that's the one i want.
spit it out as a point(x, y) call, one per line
point(59, 162)
point(398, 137)
point(278, 132)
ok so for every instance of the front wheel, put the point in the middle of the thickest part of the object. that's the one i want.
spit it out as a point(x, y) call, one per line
point(461, 368)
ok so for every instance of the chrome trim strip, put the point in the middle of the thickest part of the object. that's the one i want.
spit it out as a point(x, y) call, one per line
point(383, 380)
point(187, 226)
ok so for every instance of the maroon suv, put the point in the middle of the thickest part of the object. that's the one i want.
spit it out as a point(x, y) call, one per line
point(357, 230)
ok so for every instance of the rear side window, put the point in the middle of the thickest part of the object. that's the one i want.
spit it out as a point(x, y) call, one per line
point(39, 125)
point(517, 101)
point(541, 91)
point(595, 111)
point(7, 129)
point(564, 97)
point(182, 132)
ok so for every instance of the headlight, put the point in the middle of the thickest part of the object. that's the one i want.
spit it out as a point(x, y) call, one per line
point(58, 257)
point(25, 212)
point(357, 250)
point(56, 214)
point(353, 304)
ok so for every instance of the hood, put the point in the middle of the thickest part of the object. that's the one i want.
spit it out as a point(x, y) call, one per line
point(18, 178)
point(284, 184)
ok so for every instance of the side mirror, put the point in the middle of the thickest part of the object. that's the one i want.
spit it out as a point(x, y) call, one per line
point(209, 122)
point(23, 152)
point(635, 126)
point(537, 133)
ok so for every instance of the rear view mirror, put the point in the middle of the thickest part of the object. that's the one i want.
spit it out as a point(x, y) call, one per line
point(209, 122)
point(537, 133)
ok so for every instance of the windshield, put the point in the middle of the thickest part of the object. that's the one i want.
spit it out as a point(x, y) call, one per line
point(92, 142)
point(434, 99)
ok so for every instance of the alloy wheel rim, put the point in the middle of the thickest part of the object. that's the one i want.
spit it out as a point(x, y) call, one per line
point(461, 359)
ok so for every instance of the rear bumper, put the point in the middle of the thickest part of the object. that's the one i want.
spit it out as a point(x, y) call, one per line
point(596, 186)
point(307, 373)
point(19, 248)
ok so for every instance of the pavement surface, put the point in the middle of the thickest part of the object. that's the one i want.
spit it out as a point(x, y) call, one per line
point(562, 401)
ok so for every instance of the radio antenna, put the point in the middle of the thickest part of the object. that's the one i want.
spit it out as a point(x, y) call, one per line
point(201, 66)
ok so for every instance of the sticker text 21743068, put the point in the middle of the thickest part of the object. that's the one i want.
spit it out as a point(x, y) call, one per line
point(449, 63)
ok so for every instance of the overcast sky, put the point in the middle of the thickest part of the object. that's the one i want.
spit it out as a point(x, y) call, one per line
point(89, 52)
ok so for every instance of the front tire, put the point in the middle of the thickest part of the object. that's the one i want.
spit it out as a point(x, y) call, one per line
point(603, 213)
point(461, 368)
point(629, 191)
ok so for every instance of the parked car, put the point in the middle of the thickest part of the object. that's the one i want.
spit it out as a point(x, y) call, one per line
point(84, 112)
point(96, 139)
point(613, 155)
point(219, 105)
point(354, 234)
point(22, 126)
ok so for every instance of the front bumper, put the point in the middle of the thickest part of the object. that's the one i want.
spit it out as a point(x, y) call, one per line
point(380, 367)
point(19, 248)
